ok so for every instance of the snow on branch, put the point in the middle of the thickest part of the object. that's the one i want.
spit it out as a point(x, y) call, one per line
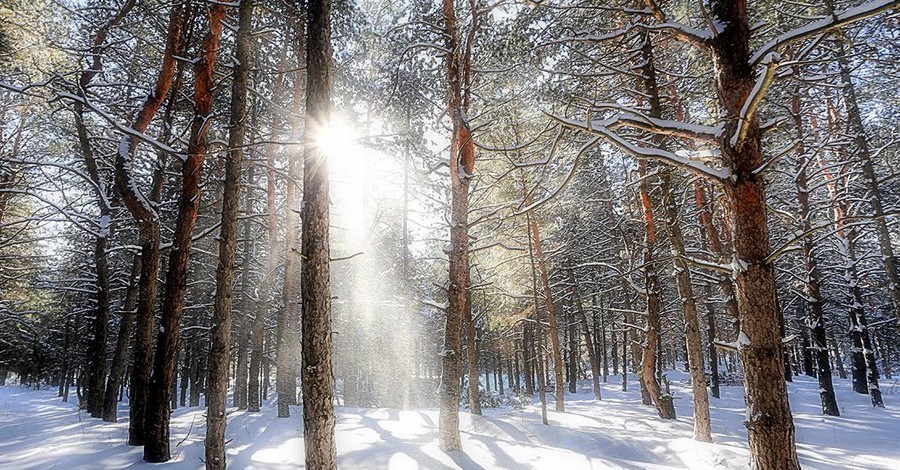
point(706, 264)
point(127, 131)
point(667, 127)
point(603, 128)
point(751, 103)
point(838, 20)
point(679, 31)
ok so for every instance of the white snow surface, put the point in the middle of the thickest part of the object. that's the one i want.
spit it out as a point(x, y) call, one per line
point(38, 431)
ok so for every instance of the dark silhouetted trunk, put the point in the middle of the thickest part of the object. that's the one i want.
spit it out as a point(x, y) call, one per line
point(286, 337)
point(97, 345)
point(815, 321)
point(472, 361)
point(873, 190)
point(220, 333)
point(318, 370)
point(586, 332)
point(119, 361)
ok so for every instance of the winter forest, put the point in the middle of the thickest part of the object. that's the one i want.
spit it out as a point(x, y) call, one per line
point(456, 234)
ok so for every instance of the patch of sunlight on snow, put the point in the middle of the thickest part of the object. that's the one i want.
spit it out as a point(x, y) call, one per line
point(282, 454)
point(406, 427)
point(401, 461)
point(357, 438)
point(699, 455)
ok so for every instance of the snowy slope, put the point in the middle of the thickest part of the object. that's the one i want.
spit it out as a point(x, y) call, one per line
point(37, 431)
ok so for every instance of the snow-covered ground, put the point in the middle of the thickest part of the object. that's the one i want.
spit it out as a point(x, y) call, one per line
point(37, 431)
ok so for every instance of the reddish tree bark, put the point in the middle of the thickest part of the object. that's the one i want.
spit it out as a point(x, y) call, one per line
point(462, 167)
point(156, 447)
point(148, 224)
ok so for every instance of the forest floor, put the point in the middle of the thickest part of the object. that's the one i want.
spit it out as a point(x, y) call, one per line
point(38, 431)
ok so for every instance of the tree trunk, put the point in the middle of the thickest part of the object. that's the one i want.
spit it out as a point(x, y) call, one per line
point(286, 338)
point(528, 357)
point(711, 344)
point(586, 331)
point(318, 371)
point(472, 360)
point(864, 369)
point(702, 423)
point(148, 225)
point(156, 447)
point(555, 347)
point(541, 381)
point(601, 334)
point(119, 361)
point(245, 325)
point(462, 167)
point(516, 382)
point(97, 346)
point(257, 331)
point(770, 428)
point(838, 359)
point(649, 358)
point(573, 352)
point(870, 178)
point(815, 320)
point(682, 270)
point(220, 334)
point(64, 385)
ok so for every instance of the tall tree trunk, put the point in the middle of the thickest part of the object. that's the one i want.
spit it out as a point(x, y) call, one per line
point(864, 369)
point(711, 352)
point(527, 356)
point(97, 346)
point(770, 428)
point(257, 333)
point(245, 326)
point(870, 178)
point(318, 370)
point(472, 361)
point(600, 334)
point(632, 346)
point(286, 338)
point(462, 167)
point(694, 344)
point(220, 334)
point(543, 275)
point(119, 361)
point(573, 352)
point(815, 319)
point(586, 332)
point(148, 225)
point(838, 359)
point(516, 382)
point(541, 380)
point(702, 431)
point(195, 375)
point(64, 372)
point(156, 447)
point(649, 358)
